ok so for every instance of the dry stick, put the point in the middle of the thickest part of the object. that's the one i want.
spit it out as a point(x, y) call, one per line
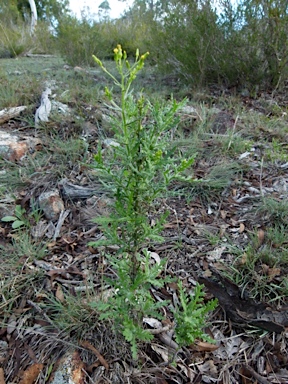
point(39, 310)
point(89, 346)
point(61, 220)
point(233, 130)
point(156, 331)
point(260, 181)
point(256, 375)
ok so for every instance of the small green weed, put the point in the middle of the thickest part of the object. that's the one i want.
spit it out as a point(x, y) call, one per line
point(233, 144)
point(19, 219)
point(24, 245)
point(132, 300)
point(274, 211)
point(278, 152)
point(258, 268)
point(191, 316)
point(212, 185)
point(137, 171)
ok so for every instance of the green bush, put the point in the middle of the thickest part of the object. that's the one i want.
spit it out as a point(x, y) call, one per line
point(197, 30)
point(16, 39)
point(79, 39)
point(243, 46)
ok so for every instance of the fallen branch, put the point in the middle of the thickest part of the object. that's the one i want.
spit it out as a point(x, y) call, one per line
point(8, 113)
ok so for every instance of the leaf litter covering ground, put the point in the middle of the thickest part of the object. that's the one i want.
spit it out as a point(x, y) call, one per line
point(49, 333)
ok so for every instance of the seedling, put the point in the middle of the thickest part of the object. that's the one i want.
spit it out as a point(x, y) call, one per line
point(18, 220)
point(136, 172)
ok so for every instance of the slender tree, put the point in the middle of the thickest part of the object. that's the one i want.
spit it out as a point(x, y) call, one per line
point(48, 10)
point(33, 15)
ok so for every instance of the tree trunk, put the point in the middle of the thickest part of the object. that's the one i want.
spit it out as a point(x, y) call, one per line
point(33, 16)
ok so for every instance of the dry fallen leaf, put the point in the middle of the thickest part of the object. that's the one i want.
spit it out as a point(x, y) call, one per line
point(202, 346)
point(207, 273)
point(241, 228)
point(154, 256)
point(2, 379)
point(12, 323)
point(223, 214)
point(188, 372)
point(59, 294)
point(244, 258)
point(89, 346)
point(161, 351)
point(261, 236)
point(271, 272)
point(31, 374)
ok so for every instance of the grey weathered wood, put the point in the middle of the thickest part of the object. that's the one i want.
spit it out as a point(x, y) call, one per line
point(74, 192)
point(8, 113)
point(43, 112)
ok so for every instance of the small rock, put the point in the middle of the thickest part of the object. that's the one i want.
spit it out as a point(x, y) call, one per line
point(189, 110)
point(245, 92)
point(13, 148)
point(60, 107)
point(70, 370)
point(222, 122)
point(51, 204)
point(110, 143)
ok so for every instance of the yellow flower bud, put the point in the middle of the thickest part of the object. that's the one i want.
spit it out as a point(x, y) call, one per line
point(143, 57)
point(98, 61)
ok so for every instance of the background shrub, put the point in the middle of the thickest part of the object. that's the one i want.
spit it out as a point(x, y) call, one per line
point(200, 42)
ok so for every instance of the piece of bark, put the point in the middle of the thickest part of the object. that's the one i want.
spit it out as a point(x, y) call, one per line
point(39, 55)
point(74, 192)
point(43, 112)
point(8, 113)
point(69, 369)
point(244, 311)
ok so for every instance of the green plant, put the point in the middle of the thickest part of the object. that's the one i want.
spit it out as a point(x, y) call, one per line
point(257, 268)
point(78, 39)
point(273, 210)
point(131, 299)
point(24, 245)
point(136, 171)
point(190, 316)
point(277, 235)
point(212, 185)
point(19, 219)
point(278, 150)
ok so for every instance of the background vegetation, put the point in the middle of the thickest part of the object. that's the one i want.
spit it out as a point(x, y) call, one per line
point(227, 215)
point(241, 45)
